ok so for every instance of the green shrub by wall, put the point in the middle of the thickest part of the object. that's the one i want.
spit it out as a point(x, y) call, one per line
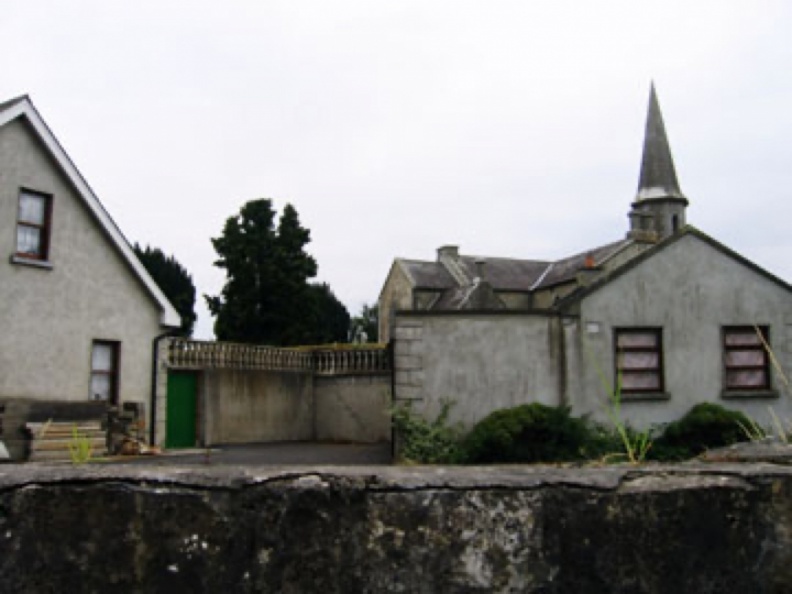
point(705, 426)
point(527, 433)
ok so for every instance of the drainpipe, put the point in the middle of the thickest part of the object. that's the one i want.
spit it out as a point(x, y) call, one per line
point(154, 375)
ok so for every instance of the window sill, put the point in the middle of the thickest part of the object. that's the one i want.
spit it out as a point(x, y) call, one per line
point(45, 264)
point(644, 396)
point(748, 394)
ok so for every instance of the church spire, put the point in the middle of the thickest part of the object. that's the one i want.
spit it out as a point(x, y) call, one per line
point(658, 176)
point(659, 207)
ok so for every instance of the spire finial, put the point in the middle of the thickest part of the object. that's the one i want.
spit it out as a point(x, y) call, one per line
point(658, 176)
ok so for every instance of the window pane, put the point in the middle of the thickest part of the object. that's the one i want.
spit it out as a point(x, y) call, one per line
point(742, 338)
point(102, 358)
point(100, 387)
point(746, 379)
point(753, 358)
point(28, 240)
point(637, 340)
point(639, 360)
point(32, 209)
point(640, 381)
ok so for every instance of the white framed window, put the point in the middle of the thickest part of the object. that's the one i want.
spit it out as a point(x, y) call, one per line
point(33, 225)
point(105, 357)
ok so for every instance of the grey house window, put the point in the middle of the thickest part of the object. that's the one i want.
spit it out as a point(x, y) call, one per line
point(639, 359)
point(33, 225)
point(746, 365)
point(104, 370)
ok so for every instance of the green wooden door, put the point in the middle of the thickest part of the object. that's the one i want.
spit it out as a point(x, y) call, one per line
point(181, 409)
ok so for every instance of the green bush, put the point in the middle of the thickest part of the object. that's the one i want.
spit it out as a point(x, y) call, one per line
point(427, 442)
point(705, 426)
point(527, 433)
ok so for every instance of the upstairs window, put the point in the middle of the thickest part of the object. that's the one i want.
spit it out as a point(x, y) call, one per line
point(746, 365)
point(104, 371)
point(33, 225)
point(639, 359)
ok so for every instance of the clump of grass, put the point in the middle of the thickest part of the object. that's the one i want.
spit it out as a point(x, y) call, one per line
point(636, 444)
point(80, 447)
point(780, 429)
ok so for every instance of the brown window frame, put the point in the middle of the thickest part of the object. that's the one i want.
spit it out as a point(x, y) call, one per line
point(114, 373)
point(758, 347)
point(45, 229)
point(621, 371)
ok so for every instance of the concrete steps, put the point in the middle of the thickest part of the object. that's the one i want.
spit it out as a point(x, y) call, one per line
point(50, 440)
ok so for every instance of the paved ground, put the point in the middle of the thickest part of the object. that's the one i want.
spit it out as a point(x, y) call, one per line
point(274, 454)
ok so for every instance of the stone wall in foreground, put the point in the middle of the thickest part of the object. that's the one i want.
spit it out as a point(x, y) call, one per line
point(704, 529)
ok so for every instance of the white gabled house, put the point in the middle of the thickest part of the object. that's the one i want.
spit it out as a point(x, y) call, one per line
point(79, 314)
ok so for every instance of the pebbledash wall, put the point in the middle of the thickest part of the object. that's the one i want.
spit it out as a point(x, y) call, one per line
point(261, 394)
point(52, 312)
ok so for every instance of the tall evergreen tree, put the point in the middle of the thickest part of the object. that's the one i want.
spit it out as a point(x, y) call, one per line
point(266, 298)
point(173, 280)
point(330, 318)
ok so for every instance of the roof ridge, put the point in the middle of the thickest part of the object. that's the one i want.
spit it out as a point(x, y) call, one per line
point(541, 278)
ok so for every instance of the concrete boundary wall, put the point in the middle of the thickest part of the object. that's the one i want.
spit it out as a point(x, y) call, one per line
point(353, 408)
point(242, 406)
point(253, 393)
point(706, 529)
point(247, 406)
point(481, 362)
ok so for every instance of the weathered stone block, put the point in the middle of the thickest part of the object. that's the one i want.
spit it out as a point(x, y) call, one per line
point(408, 332)
point(408, 362)
point(409, 378)
point(408, 347)
point(408, 393)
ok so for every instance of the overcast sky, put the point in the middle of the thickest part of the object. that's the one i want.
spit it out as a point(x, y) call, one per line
point(511, 129)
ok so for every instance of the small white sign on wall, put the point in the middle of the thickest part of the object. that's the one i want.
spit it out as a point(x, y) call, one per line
point(593, 327)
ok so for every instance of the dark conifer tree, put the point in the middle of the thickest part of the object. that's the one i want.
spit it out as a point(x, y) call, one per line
point(173, 280)
point(267, 298)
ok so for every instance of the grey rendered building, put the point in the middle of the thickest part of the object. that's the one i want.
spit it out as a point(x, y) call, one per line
point(675, 316)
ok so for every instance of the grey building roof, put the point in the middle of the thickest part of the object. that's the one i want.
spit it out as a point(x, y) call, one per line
point(504, 274)
point(461, 279)
point(566, 269)
point(427, 275)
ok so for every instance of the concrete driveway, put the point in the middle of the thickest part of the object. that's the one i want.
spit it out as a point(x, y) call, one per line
point(273, 454)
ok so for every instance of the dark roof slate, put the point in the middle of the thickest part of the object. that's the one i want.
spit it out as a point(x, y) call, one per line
point(506, 274)
point(566, 269)
point(427, 275)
